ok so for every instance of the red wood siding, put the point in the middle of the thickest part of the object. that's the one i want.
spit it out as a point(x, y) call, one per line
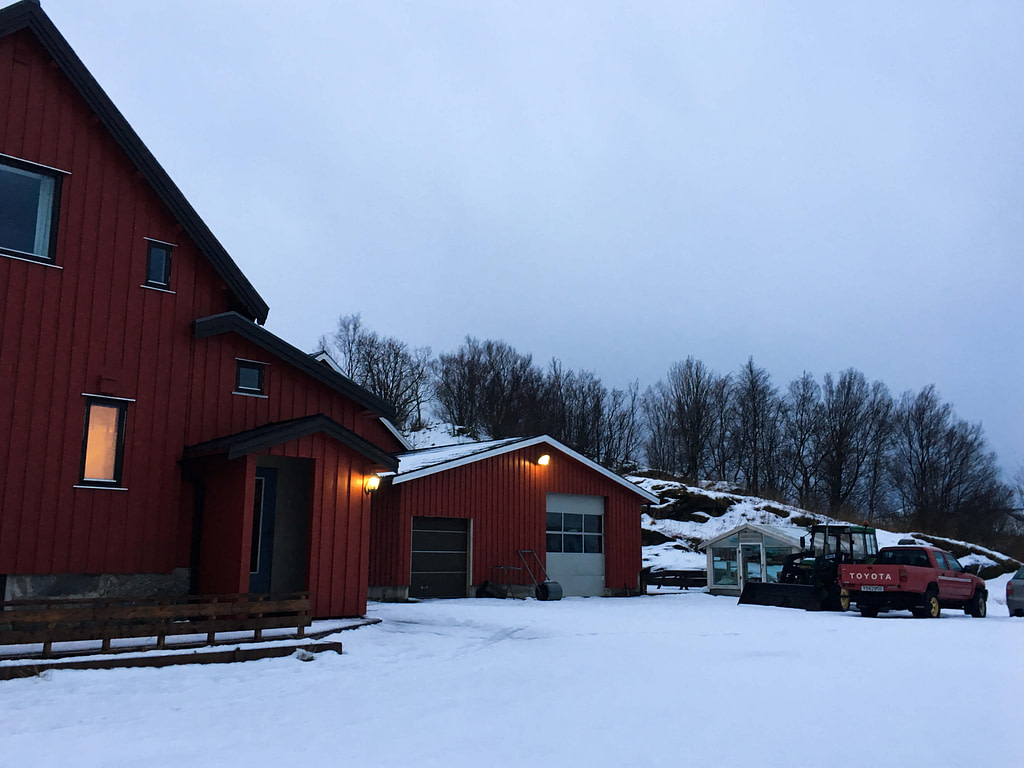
point(506, 498)
point(339, 525)
point(227, 525)
point(290, 393)
point(89, 327)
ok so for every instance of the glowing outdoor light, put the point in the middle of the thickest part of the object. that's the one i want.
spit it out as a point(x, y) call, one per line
point(371, 484)
point(544, 460)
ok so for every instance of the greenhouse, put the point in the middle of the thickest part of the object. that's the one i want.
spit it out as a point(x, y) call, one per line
point(750, 552)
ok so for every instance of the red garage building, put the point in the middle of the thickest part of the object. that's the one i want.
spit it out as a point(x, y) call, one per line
point(455, 517)
point(156, 438)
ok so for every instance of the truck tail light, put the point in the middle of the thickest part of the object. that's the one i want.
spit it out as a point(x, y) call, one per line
point(903, 575)
point(1009, 589)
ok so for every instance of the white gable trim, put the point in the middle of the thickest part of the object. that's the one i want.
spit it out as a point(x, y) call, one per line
point(793, 539)
point(398, 435)
point(516, 445)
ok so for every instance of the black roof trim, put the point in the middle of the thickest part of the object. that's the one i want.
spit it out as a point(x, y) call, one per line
point(29, 15)
point(232, 322)
point(259, 439)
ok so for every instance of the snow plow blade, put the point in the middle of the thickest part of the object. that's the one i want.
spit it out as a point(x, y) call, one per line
point(804, 596)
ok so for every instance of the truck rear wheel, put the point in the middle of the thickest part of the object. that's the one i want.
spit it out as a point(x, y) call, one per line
point(977, 607)
point(868, 611)
point(930, 608)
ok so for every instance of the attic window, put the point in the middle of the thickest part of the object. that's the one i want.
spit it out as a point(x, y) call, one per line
point(250, 378)
point(29, 200)
point(158, 264)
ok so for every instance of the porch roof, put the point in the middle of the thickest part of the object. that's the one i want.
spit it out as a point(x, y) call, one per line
point(269, 435)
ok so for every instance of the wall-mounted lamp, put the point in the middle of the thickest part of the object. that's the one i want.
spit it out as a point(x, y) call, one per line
point(544, 460)
point(371, 484)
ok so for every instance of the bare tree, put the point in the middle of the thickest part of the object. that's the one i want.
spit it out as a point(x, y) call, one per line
point(511, 391)
point(458, 386)
point(801, 430)
point(622, 428)
point(943, 472)
point(661, 445)
point(851, 409)
point(757, 429)
point(488, 388)
point(877, 487)
point(385, 366)
point(721, 454)
point(691, 387)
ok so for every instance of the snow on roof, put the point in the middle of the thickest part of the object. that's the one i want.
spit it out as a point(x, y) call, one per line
point(416, 464)
point(789, 534)
point(414, 461)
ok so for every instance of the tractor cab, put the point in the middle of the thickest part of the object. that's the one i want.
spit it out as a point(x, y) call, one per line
point(809, 578)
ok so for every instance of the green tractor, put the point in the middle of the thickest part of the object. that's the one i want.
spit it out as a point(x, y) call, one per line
point(808, 578)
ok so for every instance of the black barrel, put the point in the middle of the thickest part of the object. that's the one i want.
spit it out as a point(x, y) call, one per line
point(548, 590)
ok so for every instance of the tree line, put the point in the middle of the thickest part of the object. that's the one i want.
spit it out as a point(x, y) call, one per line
point(842, 445)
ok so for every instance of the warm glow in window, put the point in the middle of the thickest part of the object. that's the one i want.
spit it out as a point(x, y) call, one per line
point(101, 443)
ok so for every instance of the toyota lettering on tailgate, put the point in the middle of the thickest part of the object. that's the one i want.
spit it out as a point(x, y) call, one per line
point(872, 576)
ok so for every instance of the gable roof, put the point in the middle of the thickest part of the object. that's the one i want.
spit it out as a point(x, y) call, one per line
point(29, 15)
point(269, 435)
point(789, 535)
point(428, 461)
point(232, 322)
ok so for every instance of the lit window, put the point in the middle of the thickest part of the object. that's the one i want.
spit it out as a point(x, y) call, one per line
point(28, 210)
point(103, 444)
point(249, 378)
point(158, 265)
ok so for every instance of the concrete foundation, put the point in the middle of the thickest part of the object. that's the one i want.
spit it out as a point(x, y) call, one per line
point(26, 587)
point(388, 594)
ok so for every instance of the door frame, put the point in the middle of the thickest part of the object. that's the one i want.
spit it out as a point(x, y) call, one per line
point(262, 543)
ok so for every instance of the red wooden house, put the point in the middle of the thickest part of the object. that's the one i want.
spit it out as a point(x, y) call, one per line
point(455, 517)
point(156, 438)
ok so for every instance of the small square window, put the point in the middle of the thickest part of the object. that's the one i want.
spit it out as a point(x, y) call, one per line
point(103, 442)
point(29, 201)
point(158, 264)
point(249, 378)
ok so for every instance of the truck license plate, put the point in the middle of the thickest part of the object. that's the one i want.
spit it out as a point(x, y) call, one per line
point(873, 588)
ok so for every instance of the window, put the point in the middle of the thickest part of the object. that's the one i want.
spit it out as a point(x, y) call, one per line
point(103, 442)
point(29, 197)
point(158, 264)
point(249, 378)
point(575, 532)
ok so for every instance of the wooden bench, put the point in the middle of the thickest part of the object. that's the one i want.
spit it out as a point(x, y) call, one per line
point(681, 579)
point(62, 620)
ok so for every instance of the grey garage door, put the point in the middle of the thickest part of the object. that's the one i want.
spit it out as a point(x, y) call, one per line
point(575, 543)
point(440, 560)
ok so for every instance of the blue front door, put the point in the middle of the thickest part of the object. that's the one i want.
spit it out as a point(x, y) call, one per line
point(262, 554)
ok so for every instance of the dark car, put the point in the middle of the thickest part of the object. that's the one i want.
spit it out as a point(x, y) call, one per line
point(1015, 594)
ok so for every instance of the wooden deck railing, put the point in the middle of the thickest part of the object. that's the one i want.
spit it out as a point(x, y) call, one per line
point(147, 620)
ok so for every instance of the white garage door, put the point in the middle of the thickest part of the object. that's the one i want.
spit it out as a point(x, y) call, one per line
point(575, 543)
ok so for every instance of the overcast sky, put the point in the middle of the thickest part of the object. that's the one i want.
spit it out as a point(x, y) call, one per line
point(619, 185)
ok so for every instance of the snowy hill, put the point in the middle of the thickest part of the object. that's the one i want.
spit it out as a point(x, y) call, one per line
point(674, 530)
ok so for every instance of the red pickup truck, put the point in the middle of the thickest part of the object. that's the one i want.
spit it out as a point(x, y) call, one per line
point(922, 579)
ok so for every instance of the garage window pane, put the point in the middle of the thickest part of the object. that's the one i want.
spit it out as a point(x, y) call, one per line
point(554, 542)
point(572, 523)
point(592, 543)
point(572, 542)
point(554, 521)
point(592, 524)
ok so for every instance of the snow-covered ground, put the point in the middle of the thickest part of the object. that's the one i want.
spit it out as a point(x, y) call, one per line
point(674, 679)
